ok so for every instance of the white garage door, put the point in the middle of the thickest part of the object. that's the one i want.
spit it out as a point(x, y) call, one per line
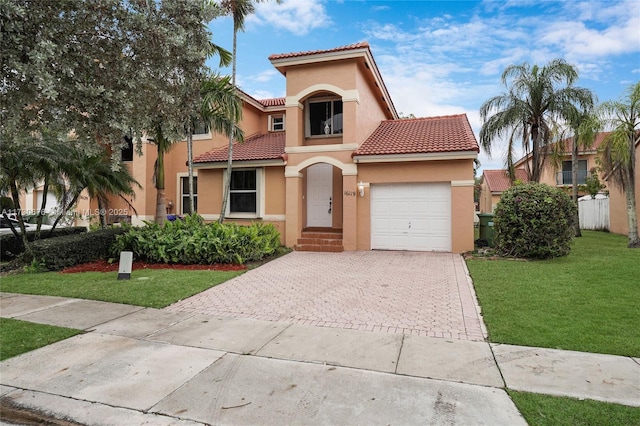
point(411, 216)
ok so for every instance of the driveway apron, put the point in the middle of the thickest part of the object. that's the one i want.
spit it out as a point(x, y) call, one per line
point(427, 294)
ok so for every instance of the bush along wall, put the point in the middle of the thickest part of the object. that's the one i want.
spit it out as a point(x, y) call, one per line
point(54, 254)
point(534, 221)
point(191, 241)
point(12, 247)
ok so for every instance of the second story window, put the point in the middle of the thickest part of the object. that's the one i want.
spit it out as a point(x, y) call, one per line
point(200, 128)
point(276, 123)
point(324, 117)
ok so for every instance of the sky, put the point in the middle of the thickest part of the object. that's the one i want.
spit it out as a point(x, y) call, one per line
point(444, 57)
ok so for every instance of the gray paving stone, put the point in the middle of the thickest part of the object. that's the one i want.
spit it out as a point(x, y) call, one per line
point(454, 360)
point(142, 323)
point(79, 314)
point(334, 346)
point(14, 305)
point(248, 390)
point(108, 369)
point(600, 377)
point(221, 333)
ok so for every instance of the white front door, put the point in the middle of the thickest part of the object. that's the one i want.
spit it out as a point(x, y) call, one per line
point(319, 195)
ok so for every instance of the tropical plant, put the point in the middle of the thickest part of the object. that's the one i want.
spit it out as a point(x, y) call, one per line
point(100, 177)
point(618, 151)
point(585, 125)
point(535, 101)
point(191, 241)
point(25, 163)
point(239, 10)
point(220, 111)
point(534, 220)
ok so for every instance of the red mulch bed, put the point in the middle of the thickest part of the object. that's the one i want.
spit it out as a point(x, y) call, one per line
point(104, 266)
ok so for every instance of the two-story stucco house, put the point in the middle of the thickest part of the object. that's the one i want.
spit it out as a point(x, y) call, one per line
point(330, 164)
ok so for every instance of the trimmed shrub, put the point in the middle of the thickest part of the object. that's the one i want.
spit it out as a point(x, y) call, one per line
point(12, 247)
point(191, 241)
point(534, 221)
point(54, 254)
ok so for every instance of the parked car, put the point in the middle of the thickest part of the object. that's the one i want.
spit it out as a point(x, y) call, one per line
point(5, 226)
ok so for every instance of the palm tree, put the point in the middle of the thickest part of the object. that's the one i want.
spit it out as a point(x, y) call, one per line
point(537, 98)
point(220, 111)
point(101, 178)
point(618, 151)
point(585, 125)
point(239, 10)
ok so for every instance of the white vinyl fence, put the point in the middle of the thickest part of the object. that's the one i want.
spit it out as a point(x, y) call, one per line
point(594, 213)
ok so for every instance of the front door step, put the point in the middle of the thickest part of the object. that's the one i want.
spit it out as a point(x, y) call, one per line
point(320, 239)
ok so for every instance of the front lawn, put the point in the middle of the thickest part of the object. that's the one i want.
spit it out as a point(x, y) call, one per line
point(17, 337)
point(153, 288)
point(543, 410)
point(587, 301)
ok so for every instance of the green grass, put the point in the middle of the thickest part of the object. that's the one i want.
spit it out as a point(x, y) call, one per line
point(545, 410)
point(587, 301)
point(154, 288)
point(17, 337)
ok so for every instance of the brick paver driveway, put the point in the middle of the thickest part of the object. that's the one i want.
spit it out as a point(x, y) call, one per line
point(428, 294)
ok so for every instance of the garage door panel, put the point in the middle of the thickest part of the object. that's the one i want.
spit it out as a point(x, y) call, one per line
point(412, 216)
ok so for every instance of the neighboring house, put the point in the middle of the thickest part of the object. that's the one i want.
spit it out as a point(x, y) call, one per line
point(494, 183)
point(559, 174)
point(331, 157)
point(618, 219)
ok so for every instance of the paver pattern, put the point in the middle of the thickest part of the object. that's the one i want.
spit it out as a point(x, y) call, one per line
point(427, 294)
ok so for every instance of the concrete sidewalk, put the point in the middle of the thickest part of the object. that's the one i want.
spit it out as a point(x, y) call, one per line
point(146, 366)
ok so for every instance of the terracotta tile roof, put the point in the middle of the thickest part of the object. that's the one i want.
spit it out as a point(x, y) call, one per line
point(354, 46)
point(272, 102)
point(421, 135)
point(269, 146)
point(498, 180)
point(568, 143)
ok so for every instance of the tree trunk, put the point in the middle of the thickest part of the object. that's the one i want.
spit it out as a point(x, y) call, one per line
point(535, 154)
point(102, 212)
point(190, 166)
point(574, 181)
point(632, 218)
point(161, 209)
point(227, 182)
point(40, 216)
point(15, 195)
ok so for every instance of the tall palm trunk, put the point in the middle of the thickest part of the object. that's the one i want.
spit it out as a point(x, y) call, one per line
point(227, 180)
point(15, 195)
point(629, 186)
point(161, 209)
point(190, 167)
point(574, 181)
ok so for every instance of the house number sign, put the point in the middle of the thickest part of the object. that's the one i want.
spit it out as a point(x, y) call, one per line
point(350, 193)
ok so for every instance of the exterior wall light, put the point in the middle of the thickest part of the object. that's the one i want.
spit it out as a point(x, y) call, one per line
point(361, 188)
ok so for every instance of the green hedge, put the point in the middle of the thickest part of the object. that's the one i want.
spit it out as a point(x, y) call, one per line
point(11, 247)
point(534, 221)
point(54, 254)
point(191, 241)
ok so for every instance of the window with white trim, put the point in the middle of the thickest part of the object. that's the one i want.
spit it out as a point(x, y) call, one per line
point(324, 117)
point(243, 196)
point(184, 193)
point(276, 123)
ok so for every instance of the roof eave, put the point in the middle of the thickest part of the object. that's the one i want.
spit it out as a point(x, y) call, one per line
point(240, 163)
point(427, 156)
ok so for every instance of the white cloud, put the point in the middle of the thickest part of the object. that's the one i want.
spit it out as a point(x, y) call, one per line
point(296, 16)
